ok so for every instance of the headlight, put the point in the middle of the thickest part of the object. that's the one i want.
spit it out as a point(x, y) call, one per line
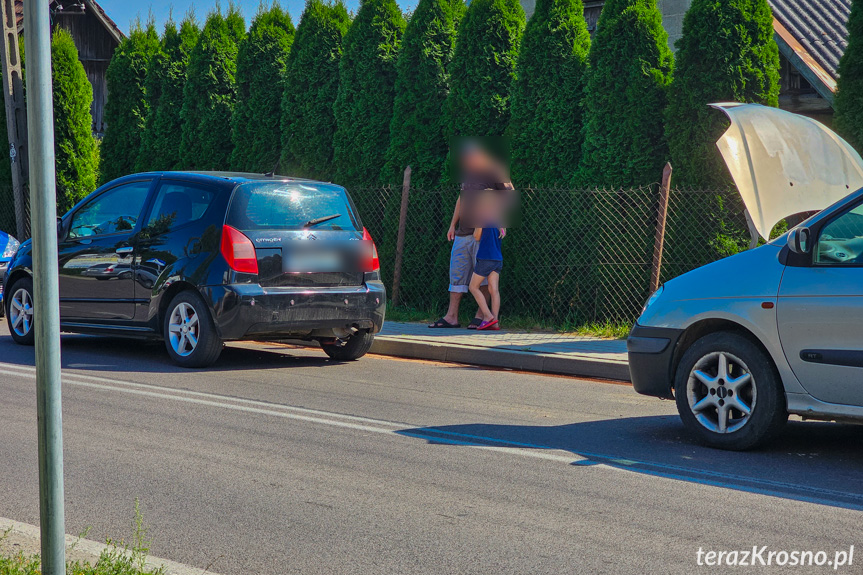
point(11, 247)
point(652, 299)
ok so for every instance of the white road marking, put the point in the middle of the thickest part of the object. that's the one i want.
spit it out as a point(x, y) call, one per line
point(288, 412)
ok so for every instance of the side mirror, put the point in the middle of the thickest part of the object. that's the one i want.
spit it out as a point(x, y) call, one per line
point(799, 240)
point(59, 228)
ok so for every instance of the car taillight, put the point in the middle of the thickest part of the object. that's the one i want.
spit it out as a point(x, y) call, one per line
point(239, 251)
point(373, 263)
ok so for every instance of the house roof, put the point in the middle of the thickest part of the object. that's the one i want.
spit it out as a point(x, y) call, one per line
point(818, 27)
point(92, 5)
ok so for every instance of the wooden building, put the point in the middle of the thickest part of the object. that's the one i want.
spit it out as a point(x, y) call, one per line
point(95, 35)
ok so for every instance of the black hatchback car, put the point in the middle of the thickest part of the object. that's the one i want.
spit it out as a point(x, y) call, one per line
point(200, 258)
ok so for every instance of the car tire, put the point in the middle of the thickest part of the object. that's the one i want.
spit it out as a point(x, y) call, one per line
point(20, 321)
point(713, 405)
point(354, 348)
point(189, 331)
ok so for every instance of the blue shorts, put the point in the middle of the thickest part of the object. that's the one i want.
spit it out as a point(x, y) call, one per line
point(484, 268)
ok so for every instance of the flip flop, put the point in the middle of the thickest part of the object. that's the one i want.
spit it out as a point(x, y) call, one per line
point(474, 323)
point(488, 324)
point(444, 324)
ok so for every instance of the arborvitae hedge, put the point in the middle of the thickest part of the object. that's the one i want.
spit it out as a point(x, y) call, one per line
point(77, 157)
point(418, 137)
point(261, 63)
point(211, 92)
point(7, 198)
point(849, 96)
point(126, 108)
point(153, 85)
point(546, 120)
point(624, 146)
point(418, 130)
point(726, 54)
point(546, 129)
point(627, 85)
point(311, 83)
point(483, 68)
point(163, 136)
point(364, 104)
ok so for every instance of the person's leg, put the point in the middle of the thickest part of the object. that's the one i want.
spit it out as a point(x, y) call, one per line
point(494, 292)
point(461, 263)
point(475, 281)
point(452, 311)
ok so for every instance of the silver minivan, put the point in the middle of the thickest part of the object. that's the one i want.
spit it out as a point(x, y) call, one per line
point(776, 330)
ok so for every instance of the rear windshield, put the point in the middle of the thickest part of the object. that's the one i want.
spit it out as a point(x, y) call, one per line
point(291, 206)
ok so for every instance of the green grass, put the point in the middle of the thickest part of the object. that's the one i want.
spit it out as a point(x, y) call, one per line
point(517, 322)
point(118, 558)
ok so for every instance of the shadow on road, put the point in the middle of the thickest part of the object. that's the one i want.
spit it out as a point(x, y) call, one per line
point(811, 462)
point(122, 354)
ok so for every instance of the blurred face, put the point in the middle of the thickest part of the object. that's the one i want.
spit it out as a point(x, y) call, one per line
point(475, 160)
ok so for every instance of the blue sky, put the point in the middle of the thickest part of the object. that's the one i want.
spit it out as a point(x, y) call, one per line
point(124, 11)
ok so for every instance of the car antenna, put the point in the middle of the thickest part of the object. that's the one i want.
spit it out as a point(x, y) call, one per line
point(272, 172)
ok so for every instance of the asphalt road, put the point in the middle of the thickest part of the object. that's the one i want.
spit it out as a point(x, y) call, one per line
point(278, 460)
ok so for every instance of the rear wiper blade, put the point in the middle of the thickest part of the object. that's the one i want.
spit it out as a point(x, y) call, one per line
point(321, 220)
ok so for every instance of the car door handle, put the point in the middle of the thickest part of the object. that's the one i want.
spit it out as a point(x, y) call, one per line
point(125, 250)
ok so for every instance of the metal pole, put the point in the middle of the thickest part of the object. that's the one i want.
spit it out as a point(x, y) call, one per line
point(40, 120)
point(659, 239)
point(400, 239)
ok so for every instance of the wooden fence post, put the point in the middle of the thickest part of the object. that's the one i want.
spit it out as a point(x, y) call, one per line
point(659, 238)
point(16, 115)
point(400, 240)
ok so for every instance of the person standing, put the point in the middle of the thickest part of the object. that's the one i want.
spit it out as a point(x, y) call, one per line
point(480, 172)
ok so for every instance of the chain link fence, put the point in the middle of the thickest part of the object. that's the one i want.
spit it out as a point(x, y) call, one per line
point(579, 256)
point(9, 222)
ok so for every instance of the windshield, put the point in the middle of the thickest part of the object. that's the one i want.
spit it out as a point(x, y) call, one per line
point(291, 206)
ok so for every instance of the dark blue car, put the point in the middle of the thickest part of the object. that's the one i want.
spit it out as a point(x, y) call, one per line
point(8, 248)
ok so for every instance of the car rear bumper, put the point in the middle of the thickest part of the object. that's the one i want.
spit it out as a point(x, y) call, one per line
point(244, 311)
point(651, 357)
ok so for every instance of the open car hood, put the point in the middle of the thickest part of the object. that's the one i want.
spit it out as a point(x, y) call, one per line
point(784, 163)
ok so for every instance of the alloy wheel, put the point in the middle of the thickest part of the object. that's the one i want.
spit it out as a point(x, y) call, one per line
point(21, 312)
point(184, 329)
point(721, 392)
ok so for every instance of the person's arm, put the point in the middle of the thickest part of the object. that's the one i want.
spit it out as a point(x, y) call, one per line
point(477, 234)
point(450, 234)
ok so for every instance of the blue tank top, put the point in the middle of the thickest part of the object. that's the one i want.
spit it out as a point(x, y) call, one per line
point(489, 245)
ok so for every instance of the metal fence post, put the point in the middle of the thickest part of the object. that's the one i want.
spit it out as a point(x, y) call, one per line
point(40, 116)
point(400, 240)
point(659, 238)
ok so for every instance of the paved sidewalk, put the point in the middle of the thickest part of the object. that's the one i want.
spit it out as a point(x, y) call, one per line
point(528, 351)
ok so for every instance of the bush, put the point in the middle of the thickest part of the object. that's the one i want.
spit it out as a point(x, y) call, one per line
point(74, 145)
point(483, 68)
point(161, 141)
point(726, 54)
point(546, 120)
point(849, 95)
point(630, 69)
point(126, 108)
point(211, 93)
point(624, 147)
point(311, 83)
point(364, 105)
point(261, 63)
point(153, 84)
point(417, 130)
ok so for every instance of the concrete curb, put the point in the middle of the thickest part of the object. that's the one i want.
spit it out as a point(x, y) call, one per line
point(508, 358)
point(25, 538)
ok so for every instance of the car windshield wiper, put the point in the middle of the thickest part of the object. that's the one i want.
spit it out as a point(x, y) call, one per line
point(321, 220)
